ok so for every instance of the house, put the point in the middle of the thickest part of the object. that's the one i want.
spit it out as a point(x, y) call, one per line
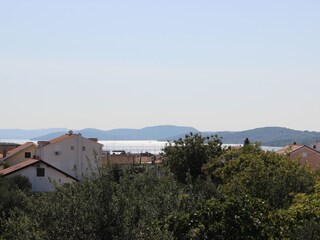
point(71, 153)
point(5, 147)
point(315, 146)
point(64, 159)
point(42, 176)
point(19, 154)
point(305, 154)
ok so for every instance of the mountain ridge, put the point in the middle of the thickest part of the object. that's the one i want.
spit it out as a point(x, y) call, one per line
point(147, 133)
point(268, 136)
point(27, 134)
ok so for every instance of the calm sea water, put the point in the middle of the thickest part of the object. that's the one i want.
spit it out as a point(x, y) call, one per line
point(154, 147)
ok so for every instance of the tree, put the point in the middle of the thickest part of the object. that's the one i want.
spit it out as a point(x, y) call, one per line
point(266, 175)
point(186, 156)
point(10, 189)
point(233, 218)
point(301, 220)
point(112, 206)
point(260, 195)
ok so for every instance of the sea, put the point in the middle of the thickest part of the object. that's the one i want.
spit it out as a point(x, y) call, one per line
point(138, 146)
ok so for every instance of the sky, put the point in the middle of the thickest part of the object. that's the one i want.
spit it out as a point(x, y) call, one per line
point(213, 65)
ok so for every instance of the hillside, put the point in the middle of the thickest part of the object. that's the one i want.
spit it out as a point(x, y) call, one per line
point(267, 136)
point(27, 134)
point(147, 133)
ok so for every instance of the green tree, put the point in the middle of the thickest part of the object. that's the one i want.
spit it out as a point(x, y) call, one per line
point(111, 206)
point(302, 219)
point(187, 156)
point(266, 175)
point(259, 195)
point(10, 189)
point(233, 218)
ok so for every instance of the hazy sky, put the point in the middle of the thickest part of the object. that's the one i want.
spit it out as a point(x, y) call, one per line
point(213, 65)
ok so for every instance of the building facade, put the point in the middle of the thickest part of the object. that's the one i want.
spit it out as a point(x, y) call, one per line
point(303, 153)
point(72, 153)
point(42, 176)
point(20, 154)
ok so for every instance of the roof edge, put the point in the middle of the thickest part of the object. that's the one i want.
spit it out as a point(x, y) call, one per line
point(306, 147)
point(48, 165)
point(8, 156)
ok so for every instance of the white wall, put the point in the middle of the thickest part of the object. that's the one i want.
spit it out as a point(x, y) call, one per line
point(43, 184)
point(74, 162)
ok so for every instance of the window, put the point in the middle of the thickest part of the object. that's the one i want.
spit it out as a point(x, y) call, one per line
point(304, 155)
point(27, 155)
point(57, 153)
point(72, 147)
point(40, 172)
point(83, 148)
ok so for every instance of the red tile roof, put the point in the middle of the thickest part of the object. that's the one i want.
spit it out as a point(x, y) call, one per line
point(20, 148)
point(31, 162)
point(61, 138)
point(18, 166)
point(66, 136)
point(289, 148)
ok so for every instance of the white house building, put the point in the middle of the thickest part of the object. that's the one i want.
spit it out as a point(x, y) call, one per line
point(19, 154)
point(71, 153)
point(42, 176)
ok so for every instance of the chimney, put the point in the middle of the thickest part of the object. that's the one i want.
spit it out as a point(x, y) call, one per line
point(43, 143)
point(5, 151)
point(70, 132)
point(314, 147)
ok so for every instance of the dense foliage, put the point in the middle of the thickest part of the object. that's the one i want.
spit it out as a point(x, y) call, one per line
point(10, 192)
point(187, 156)
point(238, 193)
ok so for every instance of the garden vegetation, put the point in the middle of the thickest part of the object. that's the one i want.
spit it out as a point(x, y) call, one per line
point(201, 191)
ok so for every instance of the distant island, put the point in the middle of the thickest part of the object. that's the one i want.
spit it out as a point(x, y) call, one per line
point(268, 136)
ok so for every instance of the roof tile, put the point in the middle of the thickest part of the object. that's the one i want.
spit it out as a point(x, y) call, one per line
point(61, 138)
point(18, 166)
point(289, 148)
point(20, 148)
